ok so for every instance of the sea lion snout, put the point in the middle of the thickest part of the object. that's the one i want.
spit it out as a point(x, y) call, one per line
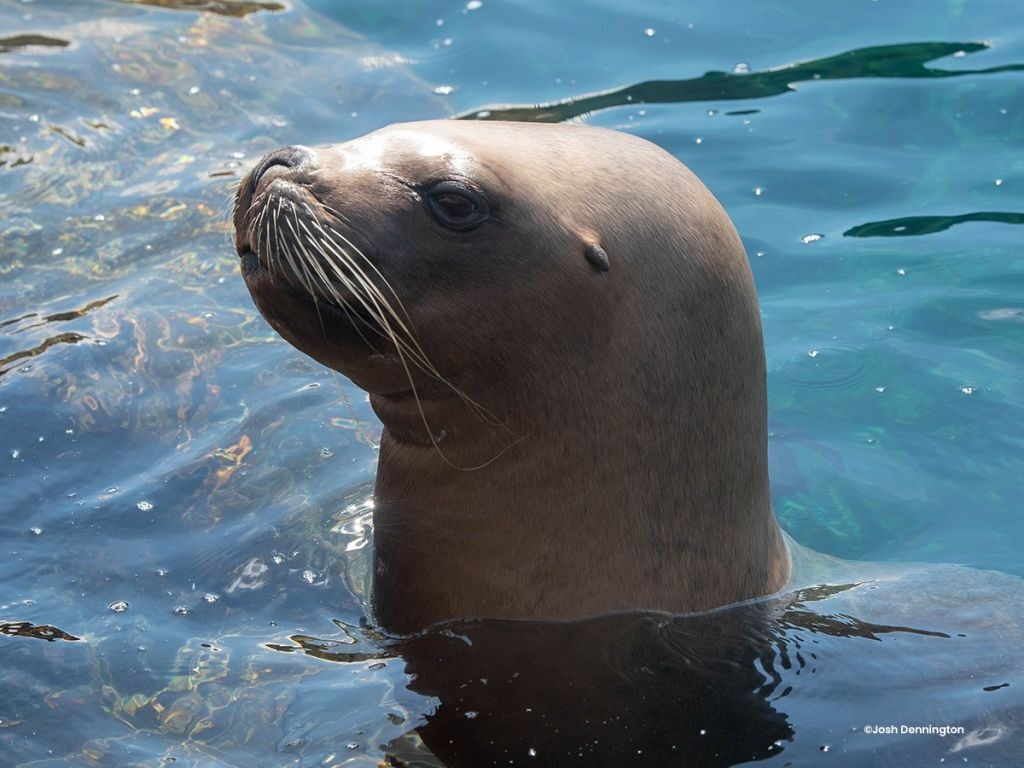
point(276, 162)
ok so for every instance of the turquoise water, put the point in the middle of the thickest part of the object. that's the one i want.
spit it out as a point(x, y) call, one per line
point(161, 447)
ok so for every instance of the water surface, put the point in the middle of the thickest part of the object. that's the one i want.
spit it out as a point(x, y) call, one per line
point(185, 498)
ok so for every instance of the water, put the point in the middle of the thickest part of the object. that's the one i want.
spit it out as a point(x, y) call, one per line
point(185, 498)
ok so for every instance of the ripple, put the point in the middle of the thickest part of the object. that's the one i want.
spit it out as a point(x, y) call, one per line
point(826, 366)
point(1011, 314)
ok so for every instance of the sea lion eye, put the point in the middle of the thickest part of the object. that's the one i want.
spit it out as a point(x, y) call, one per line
point(456, 205)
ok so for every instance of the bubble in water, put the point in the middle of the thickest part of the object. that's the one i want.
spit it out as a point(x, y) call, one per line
point(649, 32)
point(326, 453)
point(967, 390)
point(118, 606)
point(813, 353)
point(161, 571)
point(901, 272)
point(144, 506)
point(308, 576)
point(211, 597)
point(181, 610)
point(879, 390)
point(473, 5)
point(811, 237)
point(824, 747)
point(193, 90)
point(444, 90)
point(741, 68)
point(758, 191)
point(352, 745)
point(531, 752)
point(999, 182)
point(15, 454)
point(36, 530)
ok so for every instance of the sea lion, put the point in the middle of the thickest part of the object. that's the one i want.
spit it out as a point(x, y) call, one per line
point(557, 326)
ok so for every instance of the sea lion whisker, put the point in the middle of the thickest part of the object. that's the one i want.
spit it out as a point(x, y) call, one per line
point(282, 245)
point(363, 256)
point(306, 264)
point(403, 360)
point(343, 303)
point(420, 357)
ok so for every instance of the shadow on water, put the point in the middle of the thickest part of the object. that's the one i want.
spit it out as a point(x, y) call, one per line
point(627, 689)
point(927, 225)
point(883, 61)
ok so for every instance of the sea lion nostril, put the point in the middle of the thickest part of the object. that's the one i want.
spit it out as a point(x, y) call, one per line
point(289, 157)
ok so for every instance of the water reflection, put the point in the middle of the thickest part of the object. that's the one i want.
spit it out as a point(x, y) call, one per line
point(61, 338)
point(883, 61)
point(927, 225)
point(8, 44)
point(37, 631)
point(222, 7)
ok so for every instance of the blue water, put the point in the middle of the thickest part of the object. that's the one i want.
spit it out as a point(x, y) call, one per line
point(161, 446)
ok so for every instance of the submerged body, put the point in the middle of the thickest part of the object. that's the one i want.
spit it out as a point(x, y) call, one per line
point(558, 328)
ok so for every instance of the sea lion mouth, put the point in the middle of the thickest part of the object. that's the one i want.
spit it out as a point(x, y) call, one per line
point(264, 279)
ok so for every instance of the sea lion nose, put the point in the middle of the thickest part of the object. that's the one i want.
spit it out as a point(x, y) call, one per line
point(282, 158)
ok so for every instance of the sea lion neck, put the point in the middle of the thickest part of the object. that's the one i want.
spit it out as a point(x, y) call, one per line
point(603, 501)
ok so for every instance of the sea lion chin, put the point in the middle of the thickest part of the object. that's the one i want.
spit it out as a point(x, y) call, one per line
point(558, 328)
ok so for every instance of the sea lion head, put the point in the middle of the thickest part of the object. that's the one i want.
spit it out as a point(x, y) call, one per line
point(503, 268)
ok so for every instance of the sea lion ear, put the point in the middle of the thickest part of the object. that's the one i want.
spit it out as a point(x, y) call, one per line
point(596, 256)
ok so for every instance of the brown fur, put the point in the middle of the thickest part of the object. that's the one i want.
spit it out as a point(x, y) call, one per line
point(630, 471)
